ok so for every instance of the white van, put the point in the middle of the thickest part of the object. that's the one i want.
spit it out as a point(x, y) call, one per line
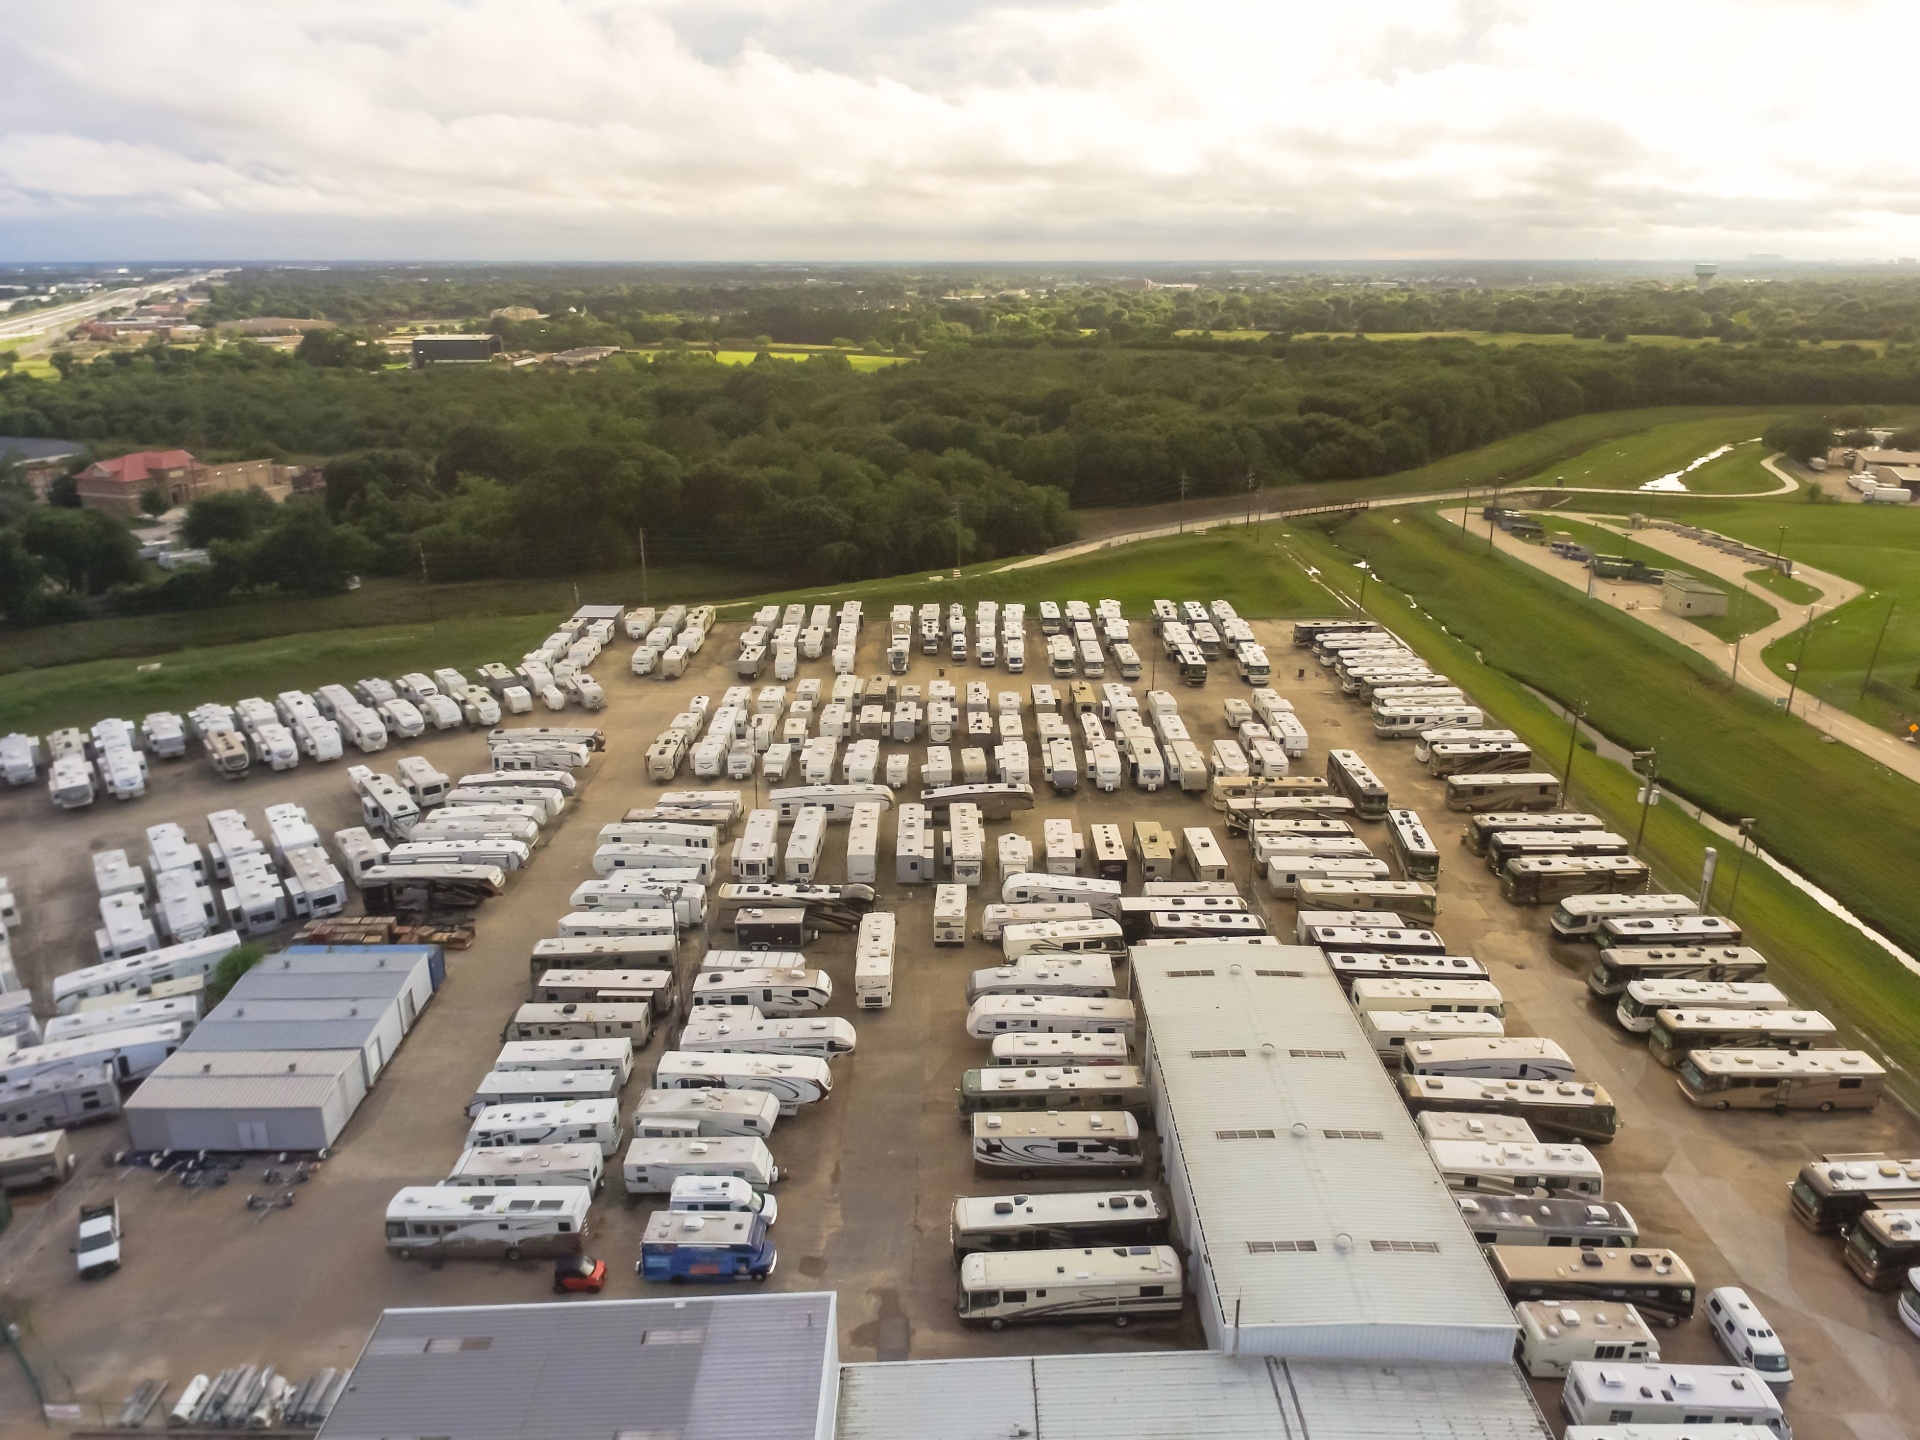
point(653, 1166)
point(792, 1080)
point(567, 1122)
point(1743, 1332)
point(720, 1194)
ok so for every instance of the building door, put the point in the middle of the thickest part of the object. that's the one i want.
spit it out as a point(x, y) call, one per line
point(253, 1135)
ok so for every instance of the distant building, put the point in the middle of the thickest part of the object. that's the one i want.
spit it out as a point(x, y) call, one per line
point(582, 355)
point(1683, 594)
point(41, 461)
point(116, 485)
point(454, 350)
point(515, 312)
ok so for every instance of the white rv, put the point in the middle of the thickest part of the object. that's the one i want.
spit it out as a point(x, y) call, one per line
point(565, 1122)
point(792, 1080)
point(512, 1222)
point(705, 1112)
point(653, 1166)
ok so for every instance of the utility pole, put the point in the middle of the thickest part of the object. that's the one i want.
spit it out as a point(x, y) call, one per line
point(643, 565)
point(1251, 483)
point(426, 582)
point(1646, 795)
point(956, 537)
point(1737, 639)
point(1493, 522)
point(1873, 659)
point(1805, 635)
point(1465, 501)
point(1183, 502)
point(1780, 550)
point(1573, 736)
point(1740, 866)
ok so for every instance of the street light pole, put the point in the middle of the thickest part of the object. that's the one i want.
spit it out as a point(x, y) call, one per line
point(1805, 635)
point(1646, 795)
point(1573, 735)
point(1739, 637)
point(1183, 502)
point(1740, 867)
point(1873, 659)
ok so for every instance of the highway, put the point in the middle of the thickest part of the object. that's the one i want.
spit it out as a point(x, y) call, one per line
point(41, 325)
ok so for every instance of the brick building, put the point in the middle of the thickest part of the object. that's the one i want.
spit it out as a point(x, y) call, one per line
point(116, 485)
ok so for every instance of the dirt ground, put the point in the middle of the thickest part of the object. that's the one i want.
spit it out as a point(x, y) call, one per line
point(872, 1172)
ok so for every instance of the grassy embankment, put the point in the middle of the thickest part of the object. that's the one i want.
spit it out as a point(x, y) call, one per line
point(1875, 546)
point(1845, 822)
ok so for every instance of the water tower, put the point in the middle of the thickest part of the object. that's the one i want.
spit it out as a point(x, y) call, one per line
point(1703, 274)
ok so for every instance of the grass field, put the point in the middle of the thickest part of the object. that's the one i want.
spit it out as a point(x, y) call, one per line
point(1875, 546)
point(1846, 823)
point(1795, 592)
point(1487, 337)
point(1631, 461)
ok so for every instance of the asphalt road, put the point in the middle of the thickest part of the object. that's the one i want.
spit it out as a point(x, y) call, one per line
point(874, 1170)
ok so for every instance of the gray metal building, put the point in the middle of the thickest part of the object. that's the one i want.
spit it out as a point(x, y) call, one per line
point(1195, 1395)
point(356, 973)
point(1315, 1222)
point(721, 1368)
point(246, 1100)
point(372, 1027)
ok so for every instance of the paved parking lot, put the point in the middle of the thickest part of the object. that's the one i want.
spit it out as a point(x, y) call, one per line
point(873, 1171)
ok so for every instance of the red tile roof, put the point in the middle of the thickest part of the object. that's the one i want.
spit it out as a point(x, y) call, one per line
point(135, 468)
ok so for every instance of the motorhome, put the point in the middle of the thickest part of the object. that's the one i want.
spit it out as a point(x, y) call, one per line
point(1555, 1334)
point(1657, 1282)
point(1439, 996)
point(1032, 888)
point(1669, 930)
point(1392, 1032)
point(1054, 1088)
point(1555, 1110)
point(1030, 1050)
point(1619, 967)
point(1735, 1078)
point(1414, 853)
point(775, 993)
point(1579, 917)
point(1677, 1033)
point(1514, 1057)
point(1531, 1171)
point(1351, 777)
point(1056, 938)
point(539, 1020)
point(678, 1248)
point(727, 1034)
point(1644, 999)
point(1560, 1222)
point(1883, 1245)
point(1524, 790)
point(793, 1080)
point(29, 1162)
point(652, 949)
point(653, 1164)
point(1048, 973)
point(1614, 1392)
point(873, 961)
point(988, 1224)
point(1831, 1192)
point(606, 987)
point(1350, 967)
point(1413, 898)
point(59, 1099)
point(993, 1015)
point(1543, 879)
point(1101, 1142)
point(530, 1087)
point(615, 1055)
point(721, 1195)
point(563, 1122)
point(512, 1222)
point(1352, 936)
point(705, 1112)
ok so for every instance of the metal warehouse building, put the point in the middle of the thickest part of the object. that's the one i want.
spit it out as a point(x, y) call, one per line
point(286, 1058)
point(1197, 1395)
point(247, 1100)
point(1316, 1223)
point(765, 1366)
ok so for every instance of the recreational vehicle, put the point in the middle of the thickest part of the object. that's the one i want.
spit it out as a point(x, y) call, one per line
point(512, 1222)
point(1081, 1141)
point(792, 1080)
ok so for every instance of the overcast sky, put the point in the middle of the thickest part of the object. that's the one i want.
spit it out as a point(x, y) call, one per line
point(855, 129)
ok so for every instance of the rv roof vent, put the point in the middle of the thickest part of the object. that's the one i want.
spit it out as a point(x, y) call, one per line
point(1570, 1317)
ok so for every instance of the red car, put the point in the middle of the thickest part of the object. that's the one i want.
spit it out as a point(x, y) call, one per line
point(579, 1272)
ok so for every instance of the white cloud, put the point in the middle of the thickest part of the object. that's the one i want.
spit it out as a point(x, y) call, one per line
point(823, 128)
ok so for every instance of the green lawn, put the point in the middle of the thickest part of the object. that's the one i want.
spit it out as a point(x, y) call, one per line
point(1726, 750)
point(1796, 592)
point(1872, 545)
point(1486, 337)
point(1631, 461)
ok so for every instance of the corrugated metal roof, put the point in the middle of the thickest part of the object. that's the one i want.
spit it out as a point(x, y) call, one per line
point(693, 1369)
point(234, 1092)
point(375, 985)
point(212, 1034)
point(1317, 1205)
point(1194, 1395)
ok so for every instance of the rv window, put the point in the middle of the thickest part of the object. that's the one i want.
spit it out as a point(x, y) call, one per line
point(983, 1299)
point(548, 1205)
point(1152, 1290)
point(1070, 1147)
point(1014, 1297)
point(514, 1205)
point(1853, 1084)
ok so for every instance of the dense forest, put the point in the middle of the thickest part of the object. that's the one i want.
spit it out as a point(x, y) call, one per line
point(976, 447)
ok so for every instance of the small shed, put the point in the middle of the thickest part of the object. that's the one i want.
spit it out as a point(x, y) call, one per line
point(1683, 594)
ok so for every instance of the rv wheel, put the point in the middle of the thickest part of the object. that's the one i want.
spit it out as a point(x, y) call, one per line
point(1720, 1105)
point(996, 1324)
point(513, 1252)
point(1671, 1321)
point(1026, 1174)
point(1825, 1106)
point(759, 1277)
point(1119, 1322)
point(404, 1254)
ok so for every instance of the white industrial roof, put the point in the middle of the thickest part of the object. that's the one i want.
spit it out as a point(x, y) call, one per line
point(1316, 1220)
point(1195, 1395)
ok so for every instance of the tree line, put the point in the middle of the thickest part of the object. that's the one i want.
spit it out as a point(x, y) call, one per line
point(804, 471)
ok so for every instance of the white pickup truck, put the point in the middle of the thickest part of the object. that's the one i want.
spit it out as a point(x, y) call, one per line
point(98, 1252)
